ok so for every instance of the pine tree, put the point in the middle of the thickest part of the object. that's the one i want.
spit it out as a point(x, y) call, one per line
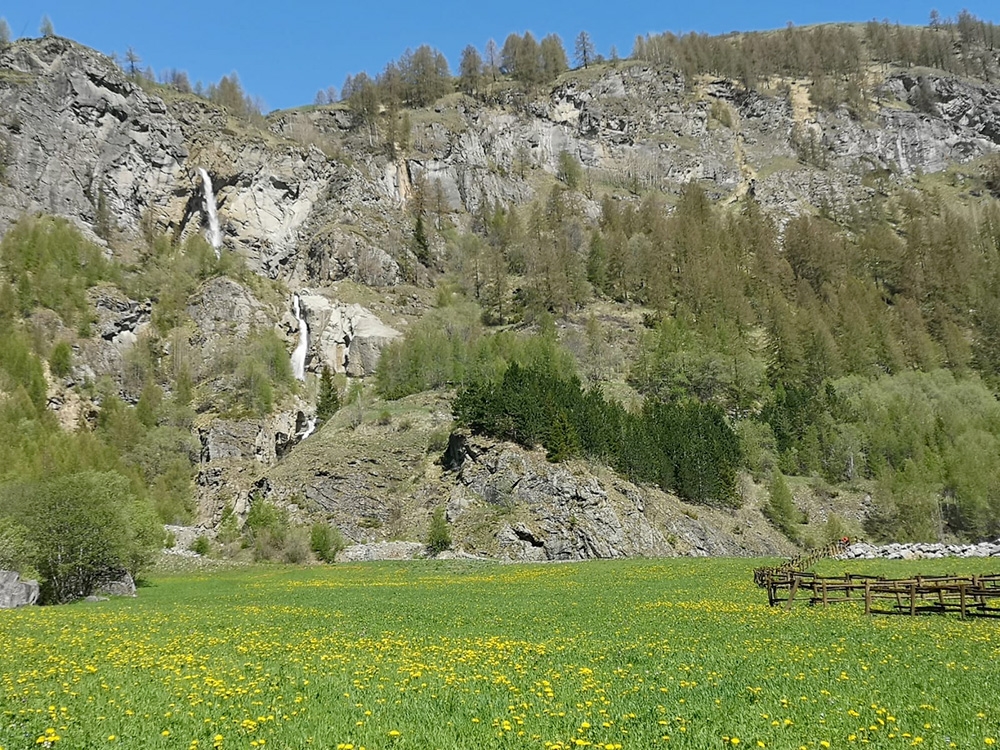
point(421, 245)
point(329, 399)
point(46, 29)
point(780, 509)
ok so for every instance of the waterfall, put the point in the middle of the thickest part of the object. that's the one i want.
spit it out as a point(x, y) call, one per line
point(214, 235)
point(299, 355)
point(310, 428)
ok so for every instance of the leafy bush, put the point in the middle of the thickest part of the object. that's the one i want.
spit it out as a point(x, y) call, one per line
point(201, 545)
point(326, 541)
point(296, 547)
point(84, 528)
point(438, 536)
point(268, 532)
point(16, 550)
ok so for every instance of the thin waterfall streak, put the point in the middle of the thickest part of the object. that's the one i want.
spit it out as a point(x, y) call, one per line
point(299, 355)
point(214, 235)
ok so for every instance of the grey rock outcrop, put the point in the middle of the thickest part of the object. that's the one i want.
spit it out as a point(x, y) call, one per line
point(224, 310)
point(348, 338)
point(312, 201)
point(919, 551)
point(262, 440)
point(74, 127)
point(15, 592)
point(559, 512)
point(119, 586)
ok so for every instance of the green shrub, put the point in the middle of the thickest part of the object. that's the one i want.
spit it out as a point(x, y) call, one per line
point(201, 545)
point(16, 549)
point(295, 549)
point(438, 536)
point(84, 528)
point(326, 542)
point(61, 359)
point(266, 530)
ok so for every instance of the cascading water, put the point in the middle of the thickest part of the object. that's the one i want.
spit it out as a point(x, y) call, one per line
point(299, 355)
point(214, 235)
point(310, 428)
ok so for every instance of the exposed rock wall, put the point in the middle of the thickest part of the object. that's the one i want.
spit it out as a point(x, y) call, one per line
point(543, 511)
point(73, 126)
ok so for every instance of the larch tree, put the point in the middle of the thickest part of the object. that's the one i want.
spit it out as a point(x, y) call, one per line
point(133, 59)
point(553, 57)
point(584, 49)
point(492, 54)
point(470, 70)
point(46, 28)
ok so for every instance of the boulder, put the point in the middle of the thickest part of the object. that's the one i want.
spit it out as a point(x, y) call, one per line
point(123, 586)
point(16, 593)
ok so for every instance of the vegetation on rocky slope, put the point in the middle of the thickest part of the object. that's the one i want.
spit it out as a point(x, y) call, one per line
point(610, 307)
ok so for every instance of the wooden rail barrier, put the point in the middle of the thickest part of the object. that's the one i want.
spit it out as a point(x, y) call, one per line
point(976, 595)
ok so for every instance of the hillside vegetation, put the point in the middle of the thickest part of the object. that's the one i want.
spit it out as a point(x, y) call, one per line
point(694, 328)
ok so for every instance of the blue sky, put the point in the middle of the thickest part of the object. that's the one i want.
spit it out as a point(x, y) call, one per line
point(285, 52)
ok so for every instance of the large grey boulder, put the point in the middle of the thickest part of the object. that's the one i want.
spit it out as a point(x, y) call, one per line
point(16, 593)
point(121, 586)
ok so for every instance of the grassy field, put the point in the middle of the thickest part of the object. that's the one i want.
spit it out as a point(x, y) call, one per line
point(639, 654)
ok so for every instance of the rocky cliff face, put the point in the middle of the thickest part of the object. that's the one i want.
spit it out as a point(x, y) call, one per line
point(311, 200)
point(74, 128)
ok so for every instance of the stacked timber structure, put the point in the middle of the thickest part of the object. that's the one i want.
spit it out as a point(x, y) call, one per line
point(967, 595)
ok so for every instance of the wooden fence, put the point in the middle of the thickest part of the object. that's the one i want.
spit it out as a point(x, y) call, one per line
point(967, 595)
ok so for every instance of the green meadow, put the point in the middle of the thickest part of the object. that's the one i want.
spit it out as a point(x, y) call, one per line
point(636, 654)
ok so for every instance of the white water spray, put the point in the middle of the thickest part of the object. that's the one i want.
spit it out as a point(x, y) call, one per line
point(299, 355)
point(310, 428)
point(214, 235)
